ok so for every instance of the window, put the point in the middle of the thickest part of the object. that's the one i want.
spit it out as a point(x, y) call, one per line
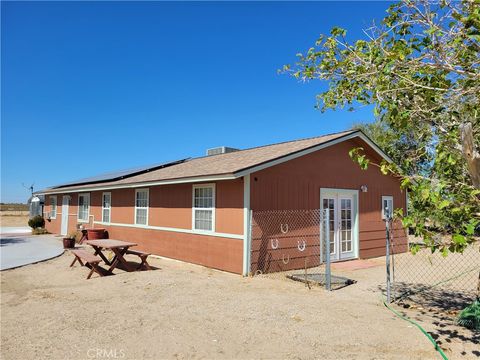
point(83, 207)
point(387, 203)
point(141, 206)
point(53, 207)
point(203, 209)
point(106, 206)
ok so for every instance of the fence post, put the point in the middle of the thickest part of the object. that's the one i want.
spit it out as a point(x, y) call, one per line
point(328, 284)
point(387, 228)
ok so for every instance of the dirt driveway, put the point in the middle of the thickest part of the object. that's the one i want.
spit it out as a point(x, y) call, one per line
point(185, 311)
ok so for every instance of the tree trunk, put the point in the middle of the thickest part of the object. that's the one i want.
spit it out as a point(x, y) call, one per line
point(470, 153)
point(478, 287)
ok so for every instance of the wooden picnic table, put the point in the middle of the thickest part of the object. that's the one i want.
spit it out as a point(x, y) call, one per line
point(118, 247)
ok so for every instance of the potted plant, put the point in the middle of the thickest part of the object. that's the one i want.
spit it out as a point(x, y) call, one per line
point(94, 234)
point(69, 241)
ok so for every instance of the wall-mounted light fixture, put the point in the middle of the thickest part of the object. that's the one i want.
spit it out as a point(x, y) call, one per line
point(364, 188)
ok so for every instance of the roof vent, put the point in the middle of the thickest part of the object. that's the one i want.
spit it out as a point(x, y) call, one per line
point(220, 150)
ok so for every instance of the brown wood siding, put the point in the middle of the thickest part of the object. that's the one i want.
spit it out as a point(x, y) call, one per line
point(123, 206)
point(96, 206)
point(296, 184)
point(171, 206)
point(229, 207)
point(215, 252)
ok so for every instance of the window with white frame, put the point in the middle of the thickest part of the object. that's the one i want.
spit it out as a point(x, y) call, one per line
point(106, 206)
point(141, 206)
point(203, 209)
point(83, 207)
point(53, 207)
point(387, 206)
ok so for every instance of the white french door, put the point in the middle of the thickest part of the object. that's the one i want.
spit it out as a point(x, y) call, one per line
point(64, 229)
point(342, 210)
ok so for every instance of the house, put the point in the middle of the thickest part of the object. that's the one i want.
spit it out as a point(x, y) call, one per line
point(197, 210)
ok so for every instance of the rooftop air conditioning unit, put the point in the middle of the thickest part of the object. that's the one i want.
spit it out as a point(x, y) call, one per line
point(220, 150)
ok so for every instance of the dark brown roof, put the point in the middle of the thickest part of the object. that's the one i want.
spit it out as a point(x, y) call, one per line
point(221, 164)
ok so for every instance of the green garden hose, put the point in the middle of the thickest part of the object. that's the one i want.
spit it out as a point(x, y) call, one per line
point(432, 340)
point(416, 324)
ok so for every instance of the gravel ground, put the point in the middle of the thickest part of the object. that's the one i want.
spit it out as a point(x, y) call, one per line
point(185, 311)
point(12, 219)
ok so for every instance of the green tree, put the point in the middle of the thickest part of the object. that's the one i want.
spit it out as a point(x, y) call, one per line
point(420, 69)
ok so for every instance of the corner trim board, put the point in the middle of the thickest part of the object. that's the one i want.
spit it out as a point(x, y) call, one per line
point(246, 225)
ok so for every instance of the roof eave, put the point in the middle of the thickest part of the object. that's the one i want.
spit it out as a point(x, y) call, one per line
point(193, 179)
point(228, 176)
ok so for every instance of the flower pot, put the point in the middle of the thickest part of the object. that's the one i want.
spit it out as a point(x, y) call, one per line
point(68, 243)
point(93, 234)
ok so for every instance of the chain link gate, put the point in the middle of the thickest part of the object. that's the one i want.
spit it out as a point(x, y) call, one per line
point(293, 244)
point(429, 279)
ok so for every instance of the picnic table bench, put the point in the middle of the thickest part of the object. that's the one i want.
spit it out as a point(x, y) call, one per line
point(87, 259)
point(143, 257)
point(119, 248)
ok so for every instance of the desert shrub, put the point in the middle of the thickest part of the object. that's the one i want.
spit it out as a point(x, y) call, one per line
point(74, 235)
point(36, 222)
point(39, 231)
point(470, 316)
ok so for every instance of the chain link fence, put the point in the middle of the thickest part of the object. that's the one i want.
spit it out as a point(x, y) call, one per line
point(433, 281)
point(292, 244)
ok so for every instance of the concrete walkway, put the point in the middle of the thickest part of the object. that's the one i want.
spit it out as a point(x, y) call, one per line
point(19, 250)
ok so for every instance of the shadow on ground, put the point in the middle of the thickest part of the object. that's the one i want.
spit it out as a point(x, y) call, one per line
point(439, 308)
point(11, 241)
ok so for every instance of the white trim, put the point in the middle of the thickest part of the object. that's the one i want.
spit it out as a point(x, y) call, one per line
point(246, 225)
point(324, 192)
point(213, 208)
point(162, 228)
point(148, 204)
point(87, 220)
point(56, 207)
point(109, 209)
point(388, 198)
point(147, 184)
point(64, 219)
point(313, 149)
point(375, 147)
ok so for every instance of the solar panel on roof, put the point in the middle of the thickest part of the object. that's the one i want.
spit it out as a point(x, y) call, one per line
point(117, 175)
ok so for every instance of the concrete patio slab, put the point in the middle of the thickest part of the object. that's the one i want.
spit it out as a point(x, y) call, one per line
point(358, 264)
point(15, 230)
point(22, 250)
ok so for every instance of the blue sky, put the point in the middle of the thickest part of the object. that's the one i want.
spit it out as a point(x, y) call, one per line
point(91, 87)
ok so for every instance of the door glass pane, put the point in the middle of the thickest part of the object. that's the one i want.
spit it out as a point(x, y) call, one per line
point(330, 205)
point(346, 225)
